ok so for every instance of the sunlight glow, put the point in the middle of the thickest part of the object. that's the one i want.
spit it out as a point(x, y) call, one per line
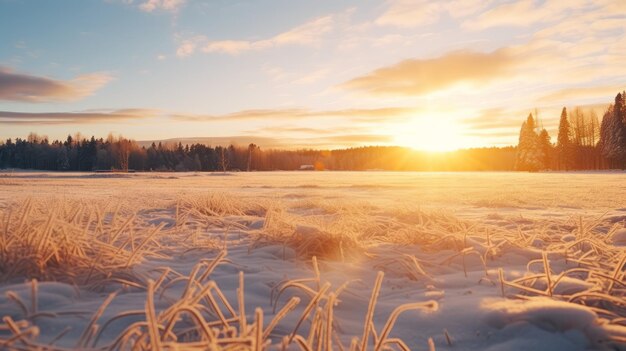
point(437, 133)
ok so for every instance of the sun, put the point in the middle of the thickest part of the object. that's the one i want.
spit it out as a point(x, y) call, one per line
point(434, 134)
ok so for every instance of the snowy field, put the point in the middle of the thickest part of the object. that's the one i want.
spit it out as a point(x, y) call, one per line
point(313, 261)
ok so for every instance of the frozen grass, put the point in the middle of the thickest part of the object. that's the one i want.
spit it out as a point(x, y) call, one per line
point(80, 243)
point(563, 274)
point(202, 317)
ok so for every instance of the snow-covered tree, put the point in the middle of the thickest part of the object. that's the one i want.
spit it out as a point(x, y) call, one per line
point(613, 133)
point(530, 156)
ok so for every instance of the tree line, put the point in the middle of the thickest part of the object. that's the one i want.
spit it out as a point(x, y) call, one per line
point(117, 153)
point(583, 143)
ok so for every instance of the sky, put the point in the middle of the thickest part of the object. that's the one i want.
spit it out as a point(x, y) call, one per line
point(432, 75)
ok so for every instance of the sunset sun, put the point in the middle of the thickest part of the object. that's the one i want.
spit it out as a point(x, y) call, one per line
point(430, 134)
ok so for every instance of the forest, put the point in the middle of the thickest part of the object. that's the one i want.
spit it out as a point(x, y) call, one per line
point(118, 153)
point(583, 143)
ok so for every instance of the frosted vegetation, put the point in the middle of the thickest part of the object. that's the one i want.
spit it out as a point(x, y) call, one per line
point(313, 261)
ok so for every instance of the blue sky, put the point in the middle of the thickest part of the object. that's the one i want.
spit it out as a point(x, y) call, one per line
point(427, 74)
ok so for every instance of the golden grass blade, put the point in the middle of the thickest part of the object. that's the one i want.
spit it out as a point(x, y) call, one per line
point(328, 342)
point(258, 332)
point(307, 310)
point(289, 306)
point(429, 305)
point(151, 319)
point(242, 306)
point(369, 316)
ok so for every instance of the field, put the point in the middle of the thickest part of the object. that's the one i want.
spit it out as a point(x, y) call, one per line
point(313, 261)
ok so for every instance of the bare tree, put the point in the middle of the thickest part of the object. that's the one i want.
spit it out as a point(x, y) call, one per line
point(124, 148)
point(251, 148)
point(223, 159)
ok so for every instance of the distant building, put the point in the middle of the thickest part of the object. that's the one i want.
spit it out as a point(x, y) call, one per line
point(115, 171)
point(307, 167)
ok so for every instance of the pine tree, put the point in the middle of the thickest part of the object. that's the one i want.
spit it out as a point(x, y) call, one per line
point(197, 165)
point(564, 143)
point(546, 148)
point(530, 157)
point(620, 140)
point(613, 133)
point(63, 162)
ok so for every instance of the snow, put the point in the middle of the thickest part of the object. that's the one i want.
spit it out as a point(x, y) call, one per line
point(619, 237)
point(436, 236)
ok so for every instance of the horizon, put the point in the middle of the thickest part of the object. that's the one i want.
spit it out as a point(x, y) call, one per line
point(432, 76)
point(239, 141)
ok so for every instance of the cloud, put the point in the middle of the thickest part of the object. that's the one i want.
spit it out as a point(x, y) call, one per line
point(362, 115)
point(80, 117)
point(524, 13)
point(29, 88)
point(413, 13)
point(495, 118)
point(164, 5)
point(281, 129)
point(577, 93)
point(313, 76)
point(309, 33)
point(494, 134)
point(423, 76)
point(187, 47)
point(319, 142)
point(497, 126)
point(234, 47)
point(292, 130)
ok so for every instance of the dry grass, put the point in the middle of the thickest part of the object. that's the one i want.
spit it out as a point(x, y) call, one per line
point(95, 244)
point(339, 232)
point(202, 317)
point(79, 243)
point(588, 257)
point(597, 268)
point(343, 233)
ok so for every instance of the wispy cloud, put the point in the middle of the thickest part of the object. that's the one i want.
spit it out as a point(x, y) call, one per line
point(574, 93)
point(275, 115)
point(319, 142)
point(422, 76)
point(313, 76)
point(413, 13)
point(164, 5)
point(363, 115)
point(293, 130)
point(309, 33)
point(523, 13)
point(78, 117)
point(30, 88)
point(495, 118)
point(495, 124)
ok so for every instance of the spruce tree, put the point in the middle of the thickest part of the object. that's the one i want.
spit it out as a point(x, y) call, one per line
point(564, 142)
point(618, 132)
point(546, 148)
point(606, 135)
